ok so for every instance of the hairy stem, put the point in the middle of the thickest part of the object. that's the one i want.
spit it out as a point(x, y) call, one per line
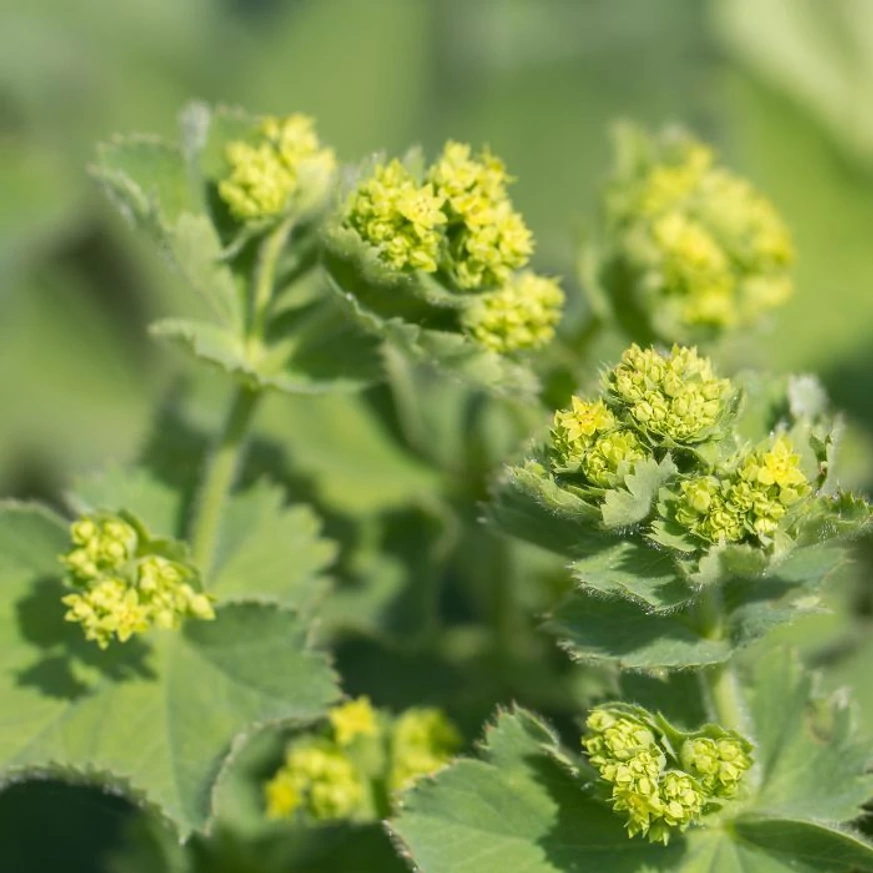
point(222, 466)
point(220, 472)
point(265, 275)
point(720, 685)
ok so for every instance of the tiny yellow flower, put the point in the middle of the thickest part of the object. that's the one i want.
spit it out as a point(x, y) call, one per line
point(486, 238)
point(319, 780)
point(399, 217)
point(354, 719)
point(576, 428)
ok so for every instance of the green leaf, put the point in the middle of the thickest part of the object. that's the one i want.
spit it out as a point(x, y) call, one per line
point(521, 804)
point(777, 846)
point(157, 714)
point(355, 463)
point(625, 507)
point(527, 503)
point(517, 808)
point(415, 315)
point(641, 633)
point(594, 630)
point(150, 183)
point(813, 765)
point(646, 576)
point(314, 350)
point(270, 551)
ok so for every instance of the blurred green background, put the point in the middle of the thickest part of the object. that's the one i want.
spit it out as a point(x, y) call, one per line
point(783, 87)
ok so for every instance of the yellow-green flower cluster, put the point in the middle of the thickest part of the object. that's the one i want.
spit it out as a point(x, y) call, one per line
point(423, 741)
point(675, 396)
point(521, 315)
point(650, 402)
point(749, 500)
point(704, 243)
point(317, 779)
point(402, 218)
point(486, 238)
point(718, 763)
point(126, 590)
point(459, 221)
point(268, 173)
point(657, 794)
point(340, 773)
point(354, 719)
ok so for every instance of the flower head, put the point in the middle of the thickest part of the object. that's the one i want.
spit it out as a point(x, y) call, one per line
point(575, 430)
point(399, 217)
point(354, 719)
point(612, 456)
point(657, 794)
point(101, 545)
point(486, 238)
point(317, 779)
point(521, 315)
point(701, 243)
point(719, 763)
point(423, 741)
point(285, 161)
point(676, 396)
point(749, 500)
point(122, 587)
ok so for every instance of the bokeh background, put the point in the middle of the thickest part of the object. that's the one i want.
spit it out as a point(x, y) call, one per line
point(782, 87)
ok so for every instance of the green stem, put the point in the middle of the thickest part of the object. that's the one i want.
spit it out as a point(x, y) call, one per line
point(265, 275)
point(225, 459)
point(720, 684)
point(220, 473)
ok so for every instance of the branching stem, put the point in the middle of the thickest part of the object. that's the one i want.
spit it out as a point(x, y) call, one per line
point(224, 462)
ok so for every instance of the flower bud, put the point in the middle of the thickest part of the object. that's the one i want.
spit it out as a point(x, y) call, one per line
point(657, 794)
point(319, 780)
point(700, 247)
point(612, 456)
point(284, 164)
point(718, 764)
point(676, 396)
point(127, 590)
point(521, 315)
point(575, 430)
point(486, 238)
point(398, 217)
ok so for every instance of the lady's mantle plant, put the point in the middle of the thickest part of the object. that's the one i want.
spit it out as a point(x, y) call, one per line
point(687, 248)
point(437, 257)
point(159, 637)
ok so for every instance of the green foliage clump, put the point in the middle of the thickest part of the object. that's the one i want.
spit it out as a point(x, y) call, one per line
point(680, 515)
